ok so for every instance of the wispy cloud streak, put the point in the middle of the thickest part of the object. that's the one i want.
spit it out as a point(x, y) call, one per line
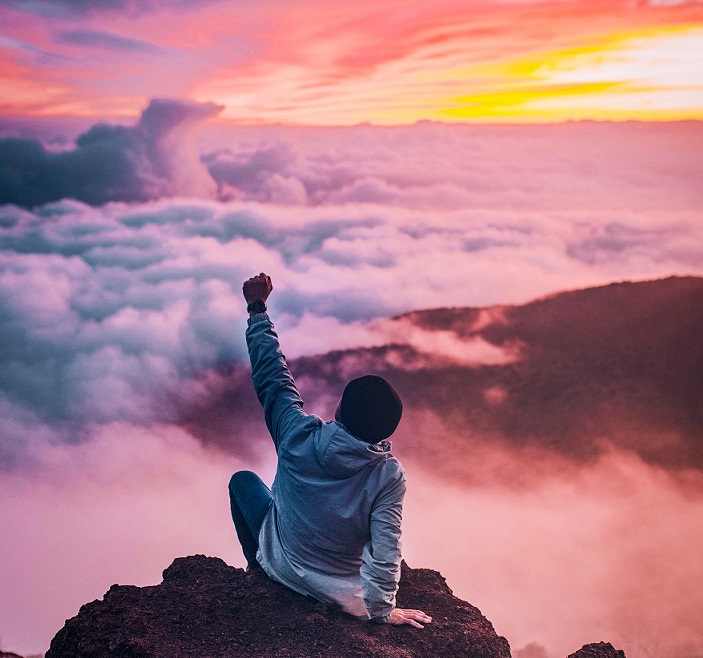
point(319, 63)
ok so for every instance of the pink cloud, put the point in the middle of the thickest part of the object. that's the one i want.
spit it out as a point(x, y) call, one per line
point(137, 496)
point(311, 62)
point(575, 558)
point(122, 326)
point(154, 158)
point(565, 556)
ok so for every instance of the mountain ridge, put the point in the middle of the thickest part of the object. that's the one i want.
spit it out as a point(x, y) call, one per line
point(620, 364)
point(614, 367)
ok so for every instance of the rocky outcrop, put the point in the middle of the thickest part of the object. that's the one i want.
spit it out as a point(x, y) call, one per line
point(207, 609)
point(598, 650)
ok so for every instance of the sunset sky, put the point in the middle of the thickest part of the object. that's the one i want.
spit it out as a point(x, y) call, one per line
point(376, 158)
point(322, 62)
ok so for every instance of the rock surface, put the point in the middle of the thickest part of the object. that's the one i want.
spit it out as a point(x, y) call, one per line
point(207, 609)
point(598, 650)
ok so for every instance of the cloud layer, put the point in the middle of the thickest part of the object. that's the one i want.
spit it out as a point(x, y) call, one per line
point(123, 379)
point(152, 159)
point(121, 313)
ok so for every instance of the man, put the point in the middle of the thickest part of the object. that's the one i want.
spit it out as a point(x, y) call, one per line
point(330, 526)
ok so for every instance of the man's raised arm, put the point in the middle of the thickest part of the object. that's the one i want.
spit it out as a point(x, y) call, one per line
point(273, 382)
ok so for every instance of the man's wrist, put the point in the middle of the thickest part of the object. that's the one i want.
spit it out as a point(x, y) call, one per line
point(257, 306)
point(381, 620)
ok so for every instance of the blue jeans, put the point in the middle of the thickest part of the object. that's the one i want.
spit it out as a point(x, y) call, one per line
point(249, 501)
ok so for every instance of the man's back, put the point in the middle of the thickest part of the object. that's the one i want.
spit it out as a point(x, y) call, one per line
point(333, 496)
point(330, 526)
point(344, 482)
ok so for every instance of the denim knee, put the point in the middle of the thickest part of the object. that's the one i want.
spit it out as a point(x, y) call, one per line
point(241, 478)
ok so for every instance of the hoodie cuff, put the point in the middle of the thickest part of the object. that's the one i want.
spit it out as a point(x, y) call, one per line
point(257, 317)
point(381, 620)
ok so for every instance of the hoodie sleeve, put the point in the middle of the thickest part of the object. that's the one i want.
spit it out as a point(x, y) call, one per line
point(273, 383)
point(380, 568)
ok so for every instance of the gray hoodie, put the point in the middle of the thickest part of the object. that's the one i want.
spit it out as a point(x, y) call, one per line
point(333, 530)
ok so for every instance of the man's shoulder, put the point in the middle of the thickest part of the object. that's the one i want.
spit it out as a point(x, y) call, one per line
point(391, 483)
point(392, 470)
point(299, 427)
point(393, 461)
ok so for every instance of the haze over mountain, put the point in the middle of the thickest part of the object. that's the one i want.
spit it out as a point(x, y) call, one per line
point(585, 404)
point(550, 446)
point(573, 375)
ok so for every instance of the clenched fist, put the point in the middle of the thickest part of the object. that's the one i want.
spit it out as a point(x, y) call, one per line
point(258, 288)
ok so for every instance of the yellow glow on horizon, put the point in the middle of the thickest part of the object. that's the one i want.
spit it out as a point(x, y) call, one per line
point(654, 74)
point(450, 72)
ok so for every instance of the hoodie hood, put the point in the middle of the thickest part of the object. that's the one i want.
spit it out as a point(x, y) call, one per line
point(341, 454)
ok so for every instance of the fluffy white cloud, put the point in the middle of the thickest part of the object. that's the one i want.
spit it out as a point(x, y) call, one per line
point(156, 157)
point(104, 309)
point(122, 324)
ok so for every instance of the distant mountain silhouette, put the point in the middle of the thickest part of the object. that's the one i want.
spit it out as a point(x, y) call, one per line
point(620, 364)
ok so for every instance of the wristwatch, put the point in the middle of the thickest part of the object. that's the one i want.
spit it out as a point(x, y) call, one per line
point(257, 307)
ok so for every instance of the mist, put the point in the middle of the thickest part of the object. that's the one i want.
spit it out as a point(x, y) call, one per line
point(568, 554)
point(607, 552)
point(125, 400)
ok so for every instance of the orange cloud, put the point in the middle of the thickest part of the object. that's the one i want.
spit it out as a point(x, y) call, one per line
point(324, 63)
point(449, 64)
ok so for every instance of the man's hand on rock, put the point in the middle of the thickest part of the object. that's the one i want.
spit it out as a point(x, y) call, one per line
point(400, 616)
point(258, 288)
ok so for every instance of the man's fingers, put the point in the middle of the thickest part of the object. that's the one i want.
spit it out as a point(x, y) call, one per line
point(410, 617)
point(259, 284)
point(264, 278)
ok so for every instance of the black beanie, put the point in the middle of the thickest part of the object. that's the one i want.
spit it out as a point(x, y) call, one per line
point(370, 408)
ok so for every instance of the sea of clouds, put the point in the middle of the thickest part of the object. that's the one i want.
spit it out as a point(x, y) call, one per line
point(122, 255)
